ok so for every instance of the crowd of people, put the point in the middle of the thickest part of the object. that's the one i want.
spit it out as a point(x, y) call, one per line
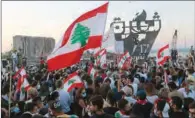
point(136, 92)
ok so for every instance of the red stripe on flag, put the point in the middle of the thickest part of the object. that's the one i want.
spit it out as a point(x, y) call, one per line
point(75, 85)
point(163, 60)
point(92, 13)
point(161, 50)
point(93, 42)
point(65, 60)
point(71, 76)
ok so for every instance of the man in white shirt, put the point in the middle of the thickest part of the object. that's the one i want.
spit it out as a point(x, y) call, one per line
point(188, 90)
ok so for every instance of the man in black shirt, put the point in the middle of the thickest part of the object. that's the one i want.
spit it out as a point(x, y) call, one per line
point(96, 107)
point(176, 108)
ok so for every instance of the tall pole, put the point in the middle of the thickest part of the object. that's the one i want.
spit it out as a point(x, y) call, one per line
point(10, 93)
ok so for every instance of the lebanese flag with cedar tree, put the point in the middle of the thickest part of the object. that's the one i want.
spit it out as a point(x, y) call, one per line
point(84, 33)
point(124, 61)
point(163, 55)
point(73, 81)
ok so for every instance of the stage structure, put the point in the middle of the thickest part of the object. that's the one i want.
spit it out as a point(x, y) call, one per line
point(138, 36)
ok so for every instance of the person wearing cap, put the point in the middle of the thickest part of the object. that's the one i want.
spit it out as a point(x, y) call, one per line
point(143, 104)
point(55, 110)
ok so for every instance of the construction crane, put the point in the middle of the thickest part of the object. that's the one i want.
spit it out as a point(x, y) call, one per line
point(174, 41)
point(174, 51)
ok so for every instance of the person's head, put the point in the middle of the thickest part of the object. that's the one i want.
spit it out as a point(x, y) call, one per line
point(107, 81)
point(128, 90)
point(189, 85)
point(32, 93)
point(26, 115)
point(161, 109)
point(81, 92)
point(38, 116)
point(34, 83)
point(104, 90)
point(131, 78)
point(172, 86)
point(124, 80)
point(141, 95)
point(53, 96)
point(96, 103)
point(163, 93)
point(55, 108)
point(110, 98)
point(187, 101)
point(38, 102)
point(98, 82)
point(192, 110)
point(59, 84)
point(149, 88)
point(124, 106)
point(176, 103)
point(31, 107)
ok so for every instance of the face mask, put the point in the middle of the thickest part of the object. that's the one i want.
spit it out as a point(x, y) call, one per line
point(16, 110)
point(38, 86)
point(84, 94)
point(191, 87)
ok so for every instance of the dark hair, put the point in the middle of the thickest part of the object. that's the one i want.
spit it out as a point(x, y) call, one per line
point(53, 96)
point(59, 83)
point(104, 90)
point(192, 105)
point(174, 77)
point(34, 83)
point(172, 85)
point(110, 97)
point(97, 101)
point(108, 80)
point(187, 101)
point(37, 100)
point(122, 103)
point(161, 104)
point(38, 116)
point(142, 79)
point(26, 115)
point(131, 78)
point(149, 87)
point(29, 106)
point(177, 101)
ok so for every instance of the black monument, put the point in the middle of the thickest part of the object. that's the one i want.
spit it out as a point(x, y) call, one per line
point(139, 35)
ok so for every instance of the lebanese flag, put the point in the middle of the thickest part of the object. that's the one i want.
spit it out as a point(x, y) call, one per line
point(20, 72)
point(84, 33)
point(101, 58)
point(92, 72)
point(73, 81)
point(124, 60)
point(163, 55)
point(22, 84)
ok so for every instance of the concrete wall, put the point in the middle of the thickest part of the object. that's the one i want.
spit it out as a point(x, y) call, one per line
point(33, 47)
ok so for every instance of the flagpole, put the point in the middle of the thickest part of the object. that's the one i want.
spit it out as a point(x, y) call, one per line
point(104, 26)
point(10, 96)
